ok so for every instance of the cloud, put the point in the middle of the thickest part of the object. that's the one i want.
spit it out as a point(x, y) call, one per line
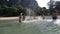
point(43, 3)
point(56, 0)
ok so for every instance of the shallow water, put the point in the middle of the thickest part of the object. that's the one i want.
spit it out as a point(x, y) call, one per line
point(36, 27)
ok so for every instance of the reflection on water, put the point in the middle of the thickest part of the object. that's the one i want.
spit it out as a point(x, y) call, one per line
point(37, 27)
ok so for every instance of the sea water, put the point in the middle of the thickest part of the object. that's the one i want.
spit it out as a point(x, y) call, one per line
point(29, 27)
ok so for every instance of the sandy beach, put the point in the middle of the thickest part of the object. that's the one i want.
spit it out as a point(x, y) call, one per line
point(9, 18)
point(15, 18)
point(27, 17)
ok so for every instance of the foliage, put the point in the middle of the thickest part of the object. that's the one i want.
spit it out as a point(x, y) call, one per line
point(42, 11)
point(10, 11)
point(22, 10)
point(13, 11)
point(54, 5)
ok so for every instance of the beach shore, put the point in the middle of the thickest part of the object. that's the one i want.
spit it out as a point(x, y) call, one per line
point(9, 18)
point(16, 18)
point(27, 17)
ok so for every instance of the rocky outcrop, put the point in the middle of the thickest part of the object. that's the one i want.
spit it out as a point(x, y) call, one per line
point(29, 3)
point(18, 3)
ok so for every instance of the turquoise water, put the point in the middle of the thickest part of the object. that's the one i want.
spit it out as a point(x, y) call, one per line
point(37, 27)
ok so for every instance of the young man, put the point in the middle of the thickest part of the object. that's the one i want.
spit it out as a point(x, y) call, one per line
point(54, 15)
point(20, 17)
point(43, 17)
point(23, 16)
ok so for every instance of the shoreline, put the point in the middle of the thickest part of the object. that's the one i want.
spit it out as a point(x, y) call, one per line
point(15, 18)
point(27, 17)
point(9, 18)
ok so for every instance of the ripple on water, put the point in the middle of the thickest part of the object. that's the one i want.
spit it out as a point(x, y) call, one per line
point(48, 28)
point(36, 27)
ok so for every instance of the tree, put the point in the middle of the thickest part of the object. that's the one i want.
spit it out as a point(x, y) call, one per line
point(54, 5)
point(37, 10)
point(10, 11)
point(22, 10)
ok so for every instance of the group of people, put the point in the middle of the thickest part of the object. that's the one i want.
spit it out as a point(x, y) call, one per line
point(22, 16)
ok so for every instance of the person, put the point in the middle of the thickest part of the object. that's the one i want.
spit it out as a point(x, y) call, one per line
point(20, 17)
point(54, 15)
point(23, 16)
point(43, 16)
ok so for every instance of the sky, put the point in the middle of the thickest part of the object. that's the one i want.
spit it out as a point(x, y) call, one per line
point(43, 3)
point(56, 0)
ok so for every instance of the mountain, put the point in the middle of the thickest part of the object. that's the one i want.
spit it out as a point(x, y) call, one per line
point(29, 3)
point(19, 3)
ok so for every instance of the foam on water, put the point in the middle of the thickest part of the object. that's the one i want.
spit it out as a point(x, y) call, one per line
point(40, 19)
point(29, 21)
point(57, 22)
point(49, 27)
